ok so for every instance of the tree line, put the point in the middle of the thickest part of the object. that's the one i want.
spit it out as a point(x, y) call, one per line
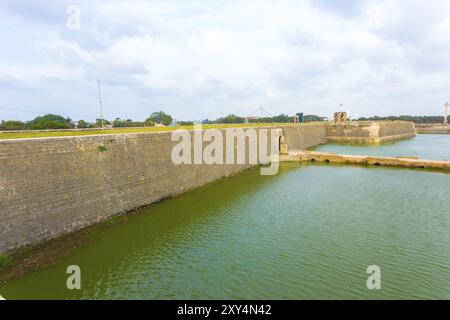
point(282, 118)
point(415, 119)
point(53, 121)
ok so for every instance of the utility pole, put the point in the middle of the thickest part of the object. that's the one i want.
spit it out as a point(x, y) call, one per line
point(446, 113)
point(100, 101)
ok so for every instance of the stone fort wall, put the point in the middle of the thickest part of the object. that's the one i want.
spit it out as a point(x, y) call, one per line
point(53, 186)
point(370, 132)
point(50, 187)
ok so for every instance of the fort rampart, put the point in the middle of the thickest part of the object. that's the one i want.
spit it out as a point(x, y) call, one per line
point(53, 186)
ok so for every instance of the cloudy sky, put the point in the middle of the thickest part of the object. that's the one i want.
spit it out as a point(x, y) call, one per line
point(205, 59)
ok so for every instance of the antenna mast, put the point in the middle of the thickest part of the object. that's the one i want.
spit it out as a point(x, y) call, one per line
point(100, 101)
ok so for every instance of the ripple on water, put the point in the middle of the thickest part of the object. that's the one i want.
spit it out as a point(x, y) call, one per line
point(309, 232)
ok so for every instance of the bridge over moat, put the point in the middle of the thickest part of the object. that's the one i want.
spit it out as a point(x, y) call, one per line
point(327, 157)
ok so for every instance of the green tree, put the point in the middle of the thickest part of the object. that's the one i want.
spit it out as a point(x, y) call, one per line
point(98, 123)
point(185, 123)
point(149, 123)
point(82, 124)
point(230, 119)
point(160, 117)
point(118, 123)
point(129, 123)
point(281, 119)
point(12, 125)
point(50, 121)
point(313, 118)
point(415, 119)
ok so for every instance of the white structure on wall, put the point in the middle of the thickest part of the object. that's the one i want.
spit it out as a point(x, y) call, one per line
point(446, 113)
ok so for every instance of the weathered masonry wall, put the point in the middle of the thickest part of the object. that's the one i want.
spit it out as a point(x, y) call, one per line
point(396, 130)
point(50, 187)
point(433, 129)
point(304, 137)
point(53, 186)
point(371, 132)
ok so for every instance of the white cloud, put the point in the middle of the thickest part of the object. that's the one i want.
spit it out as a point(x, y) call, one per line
point(199, 59)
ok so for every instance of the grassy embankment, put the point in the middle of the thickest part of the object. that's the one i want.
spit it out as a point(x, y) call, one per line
point(63, 133)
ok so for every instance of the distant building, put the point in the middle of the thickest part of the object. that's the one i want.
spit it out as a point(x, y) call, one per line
point(340, 117)
point(299, 118)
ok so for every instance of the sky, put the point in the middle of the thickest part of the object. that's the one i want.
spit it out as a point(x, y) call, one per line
point(206, 59)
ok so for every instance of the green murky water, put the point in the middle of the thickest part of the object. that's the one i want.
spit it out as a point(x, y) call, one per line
point(309, 232)
point(425, 146)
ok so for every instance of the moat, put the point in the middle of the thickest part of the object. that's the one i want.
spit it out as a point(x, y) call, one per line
point(309, 232)
point(425, 146)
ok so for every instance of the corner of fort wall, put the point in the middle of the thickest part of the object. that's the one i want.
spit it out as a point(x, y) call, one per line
point(50, 187)
point(370, 132)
